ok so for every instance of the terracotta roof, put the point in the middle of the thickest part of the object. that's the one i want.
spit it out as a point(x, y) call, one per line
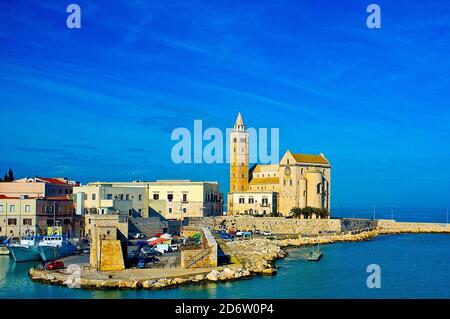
point(265, 180)
point(52, 180)
point(310, 158)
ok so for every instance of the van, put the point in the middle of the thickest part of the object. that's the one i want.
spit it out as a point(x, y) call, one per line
point(162, 248)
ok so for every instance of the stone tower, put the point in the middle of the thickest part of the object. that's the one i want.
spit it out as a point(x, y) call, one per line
point(239, 157)
point(238, 160)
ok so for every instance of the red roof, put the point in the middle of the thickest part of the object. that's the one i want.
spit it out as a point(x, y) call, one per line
point(52, 180)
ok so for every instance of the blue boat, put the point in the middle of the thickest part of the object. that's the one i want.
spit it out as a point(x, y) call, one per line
point(27, 250)
point(55, 247)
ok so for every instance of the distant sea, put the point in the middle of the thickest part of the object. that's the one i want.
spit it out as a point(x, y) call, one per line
point(412, 266)
point(426, 215)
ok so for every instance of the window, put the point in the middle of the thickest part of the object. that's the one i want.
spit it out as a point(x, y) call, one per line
point(170, 197)
point(108, 196)
point(12, 209)
point(290, 182)
point(251, 200)
point(170, 210)
point(85, 196)
point(184, 210)
point(288, 160)
point(12, 221)
point(93, 197)
point(318, 188)
point(155, 196)
point(1, 208)
point(27, 208)
point(140, 197)
point(185, 198)
point(127, 197)
point(265, 201)
point(241, 200)
point(27, 221)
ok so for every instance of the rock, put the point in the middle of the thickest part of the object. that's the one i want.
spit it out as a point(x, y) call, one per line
point(246, 273)
point(148, 284)
point(227, 273)
point(122, 284)
point(269, 271)
point(199, 278)
point(178, 281)
point(213, 275)
point(238, 275)
point(135, 284)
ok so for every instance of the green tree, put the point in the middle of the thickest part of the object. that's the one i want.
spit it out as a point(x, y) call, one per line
point(5, 179)
point(10, 176)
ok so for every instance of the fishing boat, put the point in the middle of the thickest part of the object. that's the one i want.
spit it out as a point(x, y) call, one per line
point(315, 255)
point(55, 247)
point(26, 250)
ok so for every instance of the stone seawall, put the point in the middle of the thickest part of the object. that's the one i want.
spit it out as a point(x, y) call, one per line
point(391, 226)
point(281, 225)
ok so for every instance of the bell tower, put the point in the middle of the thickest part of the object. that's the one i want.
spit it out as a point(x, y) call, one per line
point(238, 160)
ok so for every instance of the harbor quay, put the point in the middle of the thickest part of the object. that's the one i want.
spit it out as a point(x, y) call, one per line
point(247, 257)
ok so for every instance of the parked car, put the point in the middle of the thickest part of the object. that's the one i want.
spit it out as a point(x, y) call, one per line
point(149, 251)
point(139, 236)
point(141, 263)
point(54, 265)
point(257, 232)
point(267, 233)
point(173, 247)
point(226, 237)
point(86, 250)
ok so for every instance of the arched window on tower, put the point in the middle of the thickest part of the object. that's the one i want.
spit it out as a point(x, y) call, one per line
point(319, 186)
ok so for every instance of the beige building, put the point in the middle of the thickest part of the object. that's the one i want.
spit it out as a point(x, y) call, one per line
point(254, 203)
point(299, 180)
point(22, 215)
point(107, 198)
point(175, 199)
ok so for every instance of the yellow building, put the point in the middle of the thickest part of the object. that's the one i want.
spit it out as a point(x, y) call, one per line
point(299, 180)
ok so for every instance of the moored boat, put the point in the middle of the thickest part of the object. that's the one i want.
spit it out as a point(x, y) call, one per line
point(27, 250)
point(55, 247)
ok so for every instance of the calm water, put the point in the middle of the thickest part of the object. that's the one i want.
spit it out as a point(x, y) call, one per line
point(412, 266)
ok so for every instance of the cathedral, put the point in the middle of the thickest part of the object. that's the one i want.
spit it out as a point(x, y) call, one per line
point(299, 180)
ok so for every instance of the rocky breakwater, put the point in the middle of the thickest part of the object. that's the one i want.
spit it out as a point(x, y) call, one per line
point(102, 281)
point(257, 255)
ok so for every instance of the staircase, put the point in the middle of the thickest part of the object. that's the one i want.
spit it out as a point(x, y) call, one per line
point(196, 258)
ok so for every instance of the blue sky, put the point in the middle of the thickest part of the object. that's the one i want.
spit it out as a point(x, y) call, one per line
point(99, 103)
